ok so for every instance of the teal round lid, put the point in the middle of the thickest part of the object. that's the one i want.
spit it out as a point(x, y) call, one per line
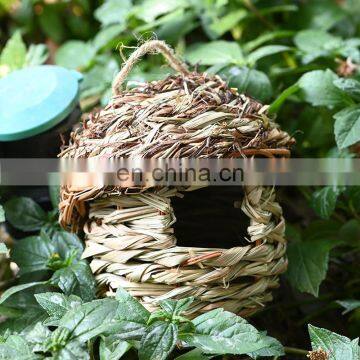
point(35, 99)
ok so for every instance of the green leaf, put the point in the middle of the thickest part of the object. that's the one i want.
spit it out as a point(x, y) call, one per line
point(104, 36)
point(349, 86)
point(273, 349)
point(15, 289)
point(33, 253)
point(318, 89)
point(221, 332)
point(308, 264)
point(227, 22)
point(15, 347)
point(316, 43)
point(56, 304)
point(90, 320)
point(38, 336)
point(73, 350)
point(36, 55)
point(349, 305)
point(151, 9)
point(337, 347)
point(14, 53)
point(248, 81)
point(25, 214)
point(347, 126)
point(112, 348)
point(99, 78)
point(195, 354)
point(10, 312)
point(215, 52)
point(75, 54)
point(76, 279)
point(113, 12)
point(350, 233)
point(176, 307)
point(131, 317)
point(65, 242)
point(324, 201)
point(264, 51)
point(159, 341)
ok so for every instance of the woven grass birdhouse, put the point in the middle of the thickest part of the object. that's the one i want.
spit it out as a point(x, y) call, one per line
point(132, 238)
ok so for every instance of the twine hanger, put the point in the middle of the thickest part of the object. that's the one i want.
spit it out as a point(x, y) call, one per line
point(153, 47)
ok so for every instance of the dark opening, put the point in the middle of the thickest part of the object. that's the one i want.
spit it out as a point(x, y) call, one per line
point(207, 218)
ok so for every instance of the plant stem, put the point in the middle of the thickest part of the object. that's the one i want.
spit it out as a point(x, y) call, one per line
point(292, 350)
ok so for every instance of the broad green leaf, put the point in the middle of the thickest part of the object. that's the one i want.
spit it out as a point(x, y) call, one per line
point(76, 279)
point(273, 349)
point(33, 253)
point(350, 233)
point(75, 54)
point(349, 305)
point(57, 304)
point(89, 320)
point(308, 264)
point(99, 78)
point(113, 12)
point(51, 23)
point(264, 51)
point(227, 22)
point(338, 347)
point(195, 354)
point(349, 86)
point(16, 347)
point(221, 332)
point(176, 307)
point(151, 9)
point(15, 289)
point(36, 55)
point(318, 89)
point(319, 15)
point(215, 52)
point(324, 201)
point(105, 35)
point(73, 350)
point(316, 43)
point(131, 317)
point(10, 312)
point(65, 242)
point(347, 126)
point(248, 81)
point(112, 348)
point(14, 53)
point(159, 341)
point(25, 214)
point(38, 336)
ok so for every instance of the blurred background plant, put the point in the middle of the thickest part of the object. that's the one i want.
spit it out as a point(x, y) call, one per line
point(302, 57)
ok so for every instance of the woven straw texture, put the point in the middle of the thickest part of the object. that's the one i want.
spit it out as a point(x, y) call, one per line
point(130, 237)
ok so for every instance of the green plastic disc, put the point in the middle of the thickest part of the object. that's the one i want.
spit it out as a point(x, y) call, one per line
point(35, 99)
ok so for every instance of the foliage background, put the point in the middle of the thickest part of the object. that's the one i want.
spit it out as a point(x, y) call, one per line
point(302, 57)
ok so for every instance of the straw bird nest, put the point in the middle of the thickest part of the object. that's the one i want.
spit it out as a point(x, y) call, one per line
point(130, 237)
